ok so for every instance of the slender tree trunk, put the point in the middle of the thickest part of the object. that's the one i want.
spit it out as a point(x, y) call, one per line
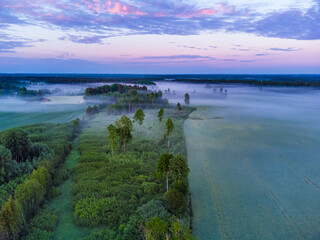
point(24, 220)
point(168, 141)
point(167, 181)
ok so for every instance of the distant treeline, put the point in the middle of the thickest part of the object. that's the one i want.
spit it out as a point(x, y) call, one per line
point(9, 89)
point(252, 82)
point(48, 79)
point(285, 80)
point(120, 88)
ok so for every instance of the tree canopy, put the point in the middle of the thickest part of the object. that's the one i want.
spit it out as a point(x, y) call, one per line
point(124, 128)
point(170, 127)
point(112, 136)
point(163, 166)
point(179, 168)
point(17, 141)
point(160, 114)
point(139, 116)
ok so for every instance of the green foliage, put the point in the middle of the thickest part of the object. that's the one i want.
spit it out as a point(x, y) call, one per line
point(156, 229)
point(126, 181)
point(17, 141)
point(5, 164)
point(128, 102)
point(41, 226)
point(9, 220)
point(92, 211)
point(8, 189)
point(30, 192)
point(116, 87)
point(170, 127)
point(139, 116)
point(124, 129)
point(160, 114)
point(163, 166)
point(104, 234)
point(24, 92)
point(112, 137)
point(177, 202)
point(179, 168)
point(180, 232)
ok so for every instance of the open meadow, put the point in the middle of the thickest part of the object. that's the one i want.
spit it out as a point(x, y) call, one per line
point(254, 160)
point(16, 112)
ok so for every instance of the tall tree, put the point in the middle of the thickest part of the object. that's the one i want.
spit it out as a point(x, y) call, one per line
point(9, 220)
point(139, 117)
point(124, 128)
point(179, 168)
point(170, 127)
point(187, 99)
point(179, 107)
point(112, 130)
point(163, 166)
point(5, 164)
point(160, 114)
point(17, 141)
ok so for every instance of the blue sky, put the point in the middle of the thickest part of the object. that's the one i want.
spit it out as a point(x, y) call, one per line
point(167, 36)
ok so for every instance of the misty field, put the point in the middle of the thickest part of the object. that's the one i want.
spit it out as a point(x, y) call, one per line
point(255, 164)
point(15, 112)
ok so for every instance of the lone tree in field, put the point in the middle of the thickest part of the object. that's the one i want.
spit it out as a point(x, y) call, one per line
point(187, 99)
point(179, 168)
point(139, 117)
point(179, 107)
point(124, 128)
point(170, 127)
point(160, 114)
point(113, 135)
point(163, 166)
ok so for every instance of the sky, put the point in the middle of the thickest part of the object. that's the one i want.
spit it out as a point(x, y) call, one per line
point(160, 36)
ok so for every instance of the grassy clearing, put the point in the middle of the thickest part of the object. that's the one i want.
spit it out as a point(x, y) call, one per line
point(252, 178)
point(67, 228)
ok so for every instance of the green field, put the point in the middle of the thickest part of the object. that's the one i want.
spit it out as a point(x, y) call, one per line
point(53, 114)
point(253, 177)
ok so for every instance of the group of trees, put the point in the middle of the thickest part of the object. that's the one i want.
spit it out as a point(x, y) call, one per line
point(7, 88)
point(131, 101)
point(91, 110)
point(41, 149)
point(24, 92)
point(116, 87)
point(120, 191)
point(177, 168)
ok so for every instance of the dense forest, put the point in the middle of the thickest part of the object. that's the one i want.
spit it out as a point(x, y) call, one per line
point(30, 172)
point(272, 80)
point(116, 87)
point(75, 79)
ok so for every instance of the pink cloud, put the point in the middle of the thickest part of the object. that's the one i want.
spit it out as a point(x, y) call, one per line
point(222, 8)
point(112, 7)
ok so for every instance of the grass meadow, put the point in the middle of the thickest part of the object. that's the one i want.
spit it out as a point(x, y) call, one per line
point(252, 177)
